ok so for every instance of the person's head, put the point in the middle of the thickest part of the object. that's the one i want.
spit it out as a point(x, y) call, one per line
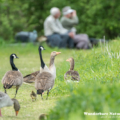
point(55, 12)
point(67, 11)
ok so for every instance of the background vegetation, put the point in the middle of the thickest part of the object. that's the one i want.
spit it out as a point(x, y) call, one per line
point(97, 18)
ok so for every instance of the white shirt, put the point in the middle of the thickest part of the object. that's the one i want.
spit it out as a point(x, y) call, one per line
point(52, 25)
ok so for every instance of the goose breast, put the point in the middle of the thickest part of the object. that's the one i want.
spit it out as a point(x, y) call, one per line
point(13, 78)
point(44, 81)
point(73, 75)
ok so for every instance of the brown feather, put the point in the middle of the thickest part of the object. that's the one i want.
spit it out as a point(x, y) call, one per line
point(12, 78)
point(71, 74)
point(30, 78)
point(44, 81)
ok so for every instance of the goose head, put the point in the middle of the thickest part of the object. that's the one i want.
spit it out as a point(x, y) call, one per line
point(52, 57)
point(13, 55)
point(41, 48)
point(16, 106)
point(70, 60)
point(54, 53)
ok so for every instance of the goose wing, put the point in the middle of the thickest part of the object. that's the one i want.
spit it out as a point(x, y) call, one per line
point(30, 78)
point(12, 78)
point(44, 81)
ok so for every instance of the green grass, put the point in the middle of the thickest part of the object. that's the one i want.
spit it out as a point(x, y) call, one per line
point(94, 66)
point(28, 62)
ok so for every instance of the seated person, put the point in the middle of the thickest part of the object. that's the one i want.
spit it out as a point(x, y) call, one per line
point(57, 36)
point(69, 20)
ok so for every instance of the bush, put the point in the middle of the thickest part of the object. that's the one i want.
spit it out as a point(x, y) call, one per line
point(88, 98)
point(2, 42)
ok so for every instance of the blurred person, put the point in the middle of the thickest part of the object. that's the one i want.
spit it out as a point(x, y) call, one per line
point(57, 36)
point(69, 20)
point(26, 36)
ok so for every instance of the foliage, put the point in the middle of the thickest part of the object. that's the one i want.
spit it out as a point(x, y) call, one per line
point(91, 98)
point(97, 18)
point(2, 42)
point(98, 90)
point(12, 19)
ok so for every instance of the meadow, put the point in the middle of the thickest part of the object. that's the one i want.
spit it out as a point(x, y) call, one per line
point(97, 91)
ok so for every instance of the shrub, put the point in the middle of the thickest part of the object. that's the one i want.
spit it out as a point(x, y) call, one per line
point(97, 18)
point(88, 98)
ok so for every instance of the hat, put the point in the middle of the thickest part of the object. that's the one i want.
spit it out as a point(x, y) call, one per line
point(66, 10)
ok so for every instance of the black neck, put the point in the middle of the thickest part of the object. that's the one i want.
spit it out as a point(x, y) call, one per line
point(42, 62)
point(12, 64)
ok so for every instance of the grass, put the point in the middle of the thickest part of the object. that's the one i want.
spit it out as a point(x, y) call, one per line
point(28, 62)
point(99, 65)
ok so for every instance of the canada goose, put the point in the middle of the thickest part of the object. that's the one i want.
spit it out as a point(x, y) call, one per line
point(30, 78)
point(5, 101)
point(33, 95)
point(71, 74)
point(13, 77)
point(45, 81)
point(43, 117)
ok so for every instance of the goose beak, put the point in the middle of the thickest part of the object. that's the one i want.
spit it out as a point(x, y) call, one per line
point(17, 57)
point(58, 53)
point(67, 60)
point(17, 113)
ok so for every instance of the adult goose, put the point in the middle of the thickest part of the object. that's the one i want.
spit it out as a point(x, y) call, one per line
point(71, 74)
point(30, 78)
point(6, 101)
point(45, 80)
point(13, 77)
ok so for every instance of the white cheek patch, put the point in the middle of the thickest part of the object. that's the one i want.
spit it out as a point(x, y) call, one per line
point(14, 56)
point(41, 48)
